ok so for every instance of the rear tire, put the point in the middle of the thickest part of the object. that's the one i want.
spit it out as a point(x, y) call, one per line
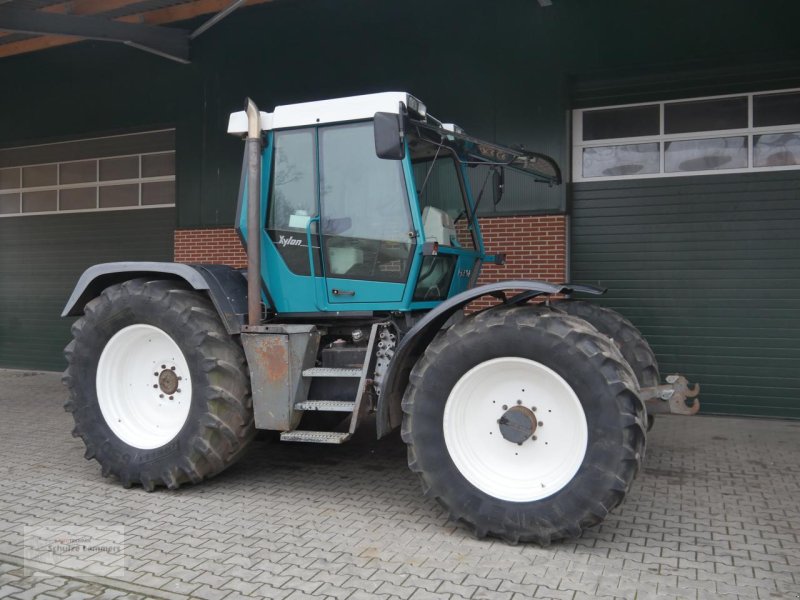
point(158, 389)
point(588, 446)
point(626, 336)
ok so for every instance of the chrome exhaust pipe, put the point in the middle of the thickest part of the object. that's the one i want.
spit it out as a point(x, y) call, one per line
point(253, 149)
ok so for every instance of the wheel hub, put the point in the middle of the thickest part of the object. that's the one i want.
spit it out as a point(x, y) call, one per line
point(517, 424)
point(144, 389)
point(168, 381)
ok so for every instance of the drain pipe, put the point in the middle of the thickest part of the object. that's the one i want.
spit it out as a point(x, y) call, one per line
point(253, 149)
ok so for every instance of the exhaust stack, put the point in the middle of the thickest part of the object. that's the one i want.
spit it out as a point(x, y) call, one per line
point(253, 149)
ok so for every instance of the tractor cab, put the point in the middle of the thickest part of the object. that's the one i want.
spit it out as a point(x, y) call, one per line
point(366, 206)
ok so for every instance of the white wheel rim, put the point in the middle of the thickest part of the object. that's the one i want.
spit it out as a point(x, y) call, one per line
point(134, 392)
point(537, 468)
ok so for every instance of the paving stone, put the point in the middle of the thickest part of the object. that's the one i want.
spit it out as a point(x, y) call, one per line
point(703, 520)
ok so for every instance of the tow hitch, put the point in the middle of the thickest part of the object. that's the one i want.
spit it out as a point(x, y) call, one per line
point(674, 397)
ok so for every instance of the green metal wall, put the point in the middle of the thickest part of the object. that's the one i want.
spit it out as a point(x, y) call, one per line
point(79, 91)
point(709, 269)
point(41, 258)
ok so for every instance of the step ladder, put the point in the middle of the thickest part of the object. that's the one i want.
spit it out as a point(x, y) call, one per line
point(354, 407)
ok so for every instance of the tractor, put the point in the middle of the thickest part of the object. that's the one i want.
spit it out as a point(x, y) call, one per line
point(526, 420)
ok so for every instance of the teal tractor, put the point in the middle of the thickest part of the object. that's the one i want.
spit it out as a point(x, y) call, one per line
point(526, 420)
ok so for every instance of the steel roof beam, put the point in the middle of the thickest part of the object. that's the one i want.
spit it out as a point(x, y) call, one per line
point(164, 41)
point(216, 18)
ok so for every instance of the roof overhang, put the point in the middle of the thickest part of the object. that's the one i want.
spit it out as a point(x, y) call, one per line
point(31, 25)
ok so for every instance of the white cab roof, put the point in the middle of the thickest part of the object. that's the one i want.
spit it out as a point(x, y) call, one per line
point(351, 108)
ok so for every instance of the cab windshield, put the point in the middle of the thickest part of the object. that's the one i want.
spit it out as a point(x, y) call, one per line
point(442, 199)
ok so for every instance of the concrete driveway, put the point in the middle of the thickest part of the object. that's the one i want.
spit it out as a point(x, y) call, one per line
point(715, 514)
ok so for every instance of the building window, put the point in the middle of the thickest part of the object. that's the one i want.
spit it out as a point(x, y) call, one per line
point(113, 173)
point(725, 134)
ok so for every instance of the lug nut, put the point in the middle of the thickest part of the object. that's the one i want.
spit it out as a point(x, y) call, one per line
point(540, 423)
point(155, 386)
point(172, 397)
point(533, 437)
point(172, 368)
point(163, 366)
point(161, 395)
point(505, 407)
point(519, 401)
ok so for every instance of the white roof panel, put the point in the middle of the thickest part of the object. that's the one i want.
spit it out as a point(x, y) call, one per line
point(351, 108)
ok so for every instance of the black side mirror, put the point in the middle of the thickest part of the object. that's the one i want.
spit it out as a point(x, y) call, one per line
point(499, 184)
point(389, 136)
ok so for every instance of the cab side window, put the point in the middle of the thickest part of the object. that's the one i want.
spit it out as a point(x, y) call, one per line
point(293, 196)
point(365, 219)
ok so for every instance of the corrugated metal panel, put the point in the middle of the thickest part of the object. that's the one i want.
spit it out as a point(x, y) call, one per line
point(41, 258)
point(709, 269)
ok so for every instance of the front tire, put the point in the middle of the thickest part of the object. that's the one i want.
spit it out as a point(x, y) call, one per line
point(478, 385)
point(158, 389)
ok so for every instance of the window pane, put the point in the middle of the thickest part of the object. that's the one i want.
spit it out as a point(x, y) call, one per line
point(84, 171)
point(77, 198)
point(9, 178)
point(40, 176)
point(776, 109)
point(45, 201)
point(114, 196)
point(293, 198)
point(621, 122)
point(442, 202)
point(706, 155)
point(776, 150)
point(158, 165)
point(9, 204)
point(113, 169)
point(159, 192)
point(705, 115)
point(365, 216)
point(615, 161)
point(435, 278)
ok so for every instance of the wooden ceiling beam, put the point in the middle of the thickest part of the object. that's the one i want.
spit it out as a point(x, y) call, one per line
point(183, 12)
point(84, 7)
point(159, 16)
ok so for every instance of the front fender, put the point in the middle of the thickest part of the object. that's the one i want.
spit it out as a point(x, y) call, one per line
point(226, 286)
point(413, 344)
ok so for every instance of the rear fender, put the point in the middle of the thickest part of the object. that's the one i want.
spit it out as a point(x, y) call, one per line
point(414, 343)
point(226, 286)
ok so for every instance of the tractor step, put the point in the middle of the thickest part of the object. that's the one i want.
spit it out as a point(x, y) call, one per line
point(331, 372)
point(328, 405)
point(316, 437)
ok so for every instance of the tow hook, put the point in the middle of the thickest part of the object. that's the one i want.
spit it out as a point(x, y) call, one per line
point(674, 397)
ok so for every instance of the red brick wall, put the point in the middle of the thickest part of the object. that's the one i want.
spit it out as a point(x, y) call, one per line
point(535, 248)
point(216, 246)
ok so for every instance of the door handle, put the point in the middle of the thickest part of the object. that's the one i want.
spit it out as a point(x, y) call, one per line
point(336, 292)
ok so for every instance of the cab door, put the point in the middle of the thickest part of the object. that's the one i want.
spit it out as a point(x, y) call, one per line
point(368, 239)
point(292, 264)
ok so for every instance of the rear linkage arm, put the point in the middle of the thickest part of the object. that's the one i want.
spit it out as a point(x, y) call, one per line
point(674, 397)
